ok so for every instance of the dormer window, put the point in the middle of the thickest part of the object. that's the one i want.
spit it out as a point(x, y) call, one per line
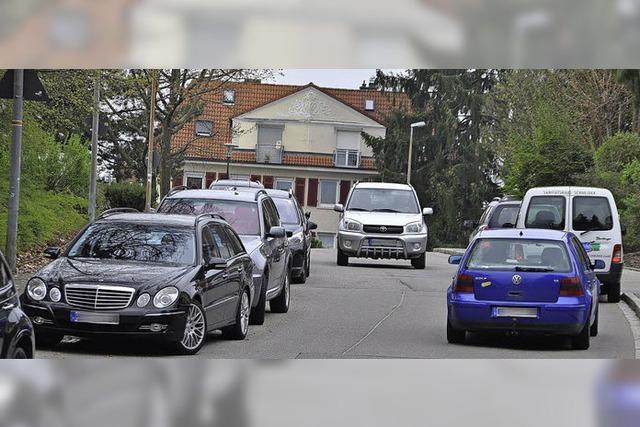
point(204, 128)
point(229, 96)
point(369, 105)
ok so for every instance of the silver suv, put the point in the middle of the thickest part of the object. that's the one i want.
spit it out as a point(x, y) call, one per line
point(382, 220)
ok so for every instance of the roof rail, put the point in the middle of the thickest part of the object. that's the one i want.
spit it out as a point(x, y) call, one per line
point(209, 215)
point(259, 192)
point(177, 188)
point(114, 211)
point(291, 193)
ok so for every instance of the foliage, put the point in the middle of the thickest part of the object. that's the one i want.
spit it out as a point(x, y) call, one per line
point(316, 243)
point(617, 153)
point(125, 195)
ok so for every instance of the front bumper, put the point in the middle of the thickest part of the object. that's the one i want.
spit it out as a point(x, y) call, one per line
point(566, 317)
point(133, 321)
point(386, 246)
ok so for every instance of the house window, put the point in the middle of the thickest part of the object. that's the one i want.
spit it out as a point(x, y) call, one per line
point(284, 184)
point(204, 127)
point(269, 148)
point(369, 105)
point(229, 96)
point(194, 180)
point(347, 149)
point(328, 193)
point(327, 239)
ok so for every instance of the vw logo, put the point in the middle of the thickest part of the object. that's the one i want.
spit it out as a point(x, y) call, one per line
point(383, 229)
point(516, 279)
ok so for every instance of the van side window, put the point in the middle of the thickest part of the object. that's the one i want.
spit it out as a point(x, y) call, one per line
point(591, 213)
point(546, 212)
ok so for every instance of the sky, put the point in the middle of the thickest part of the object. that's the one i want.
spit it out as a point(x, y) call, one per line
point(332, 78)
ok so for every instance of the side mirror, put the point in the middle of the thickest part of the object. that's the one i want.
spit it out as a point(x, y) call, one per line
point(427, 211)
point(289, 233)
point(277, 232)
point(52, 252)
point(338, 207)
point(598, 264)
point(455, 259)
point(215, 264)
point(307, 214)
point(469, 224)
point(623, 228)
point(312, 225)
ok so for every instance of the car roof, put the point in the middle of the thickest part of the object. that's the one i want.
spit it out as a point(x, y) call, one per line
point(278, 194)
point(384, 185)
point(150, 218)
point(566, 191)
point(236, 183)
point(522, 233)
point(246, 194)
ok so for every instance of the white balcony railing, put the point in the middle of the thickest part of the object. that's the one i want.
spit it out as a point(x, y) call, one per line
point(269, 153)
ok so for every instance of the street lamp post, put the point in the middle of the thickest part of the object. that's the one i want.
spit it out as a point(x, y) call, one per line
point(230, 148)
point(413, 125)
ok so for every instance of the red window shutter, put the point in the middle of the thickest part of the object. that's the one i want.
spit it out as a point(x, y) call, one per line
point(223, 176)
point(211, 176)
point(256, 178)
point(345, 186)
point(177, 180)
point(268, 181)
point(312, 195)
point(300, 184)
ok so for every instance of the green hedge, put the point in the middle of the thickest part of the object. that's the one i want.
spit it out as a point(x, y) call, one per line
point(125, 195)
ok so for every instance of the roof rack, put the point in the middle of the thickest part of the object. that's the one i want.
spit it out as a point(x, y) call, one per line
point(177, 188)
point(209, 215)
point(114, 211)
point(260, 191)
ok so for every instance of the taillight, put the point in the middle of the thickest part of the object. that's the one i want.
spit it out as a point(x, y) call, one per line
point(616, 258)
point(571, 287)
point(463, 284)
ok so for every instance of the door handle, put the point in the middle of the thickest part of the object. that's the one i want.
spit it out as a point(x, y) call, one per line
point(224, 275)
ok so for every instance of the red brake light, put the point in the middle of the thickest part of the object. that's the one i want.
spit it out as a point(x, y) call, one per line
point(571, 287)
point(616, 258)
point(463, 284)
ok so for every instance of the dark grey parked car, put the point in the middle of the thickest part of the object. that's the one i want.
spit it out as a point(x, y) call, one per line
point(500, 213)
point(254, 216)
point(299, 229)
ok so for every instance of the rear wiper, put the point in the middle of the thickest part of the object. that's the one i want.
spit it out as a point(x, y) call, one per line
point(540, 269)
point(386, 210)
point(588, 230)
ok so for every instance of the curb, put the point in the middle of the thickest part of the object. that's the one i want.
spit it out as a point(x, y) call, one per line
point(631, 309)
point(449, 251)
point(632, 301)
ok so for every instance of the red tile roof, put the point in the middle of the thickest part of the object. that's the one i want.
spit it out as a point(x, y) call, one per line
point(251, 95)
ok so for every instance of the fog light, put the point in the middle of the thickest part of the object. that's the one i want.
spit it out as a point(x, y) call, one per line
point(156, 327)
point(417, 246)
point(55, 294)
point(347, 243)
point(38, 320)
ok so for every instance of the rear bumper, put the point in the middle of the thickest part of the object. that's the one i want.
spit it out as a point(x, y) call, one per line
point(612, 276)
point(407, 246)
point(563, 317)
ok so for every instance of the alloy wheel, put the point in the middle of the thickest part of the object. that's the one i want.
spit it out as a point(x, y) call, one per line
point(194, 329)
point(244, 312)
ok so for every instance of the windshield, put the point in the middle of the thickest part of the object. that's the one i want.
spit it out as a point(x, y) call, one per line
point(136, 242)
point(519, 255)
point(383, 200)
point(591, 213)
point(287, 211)
point(242, 216)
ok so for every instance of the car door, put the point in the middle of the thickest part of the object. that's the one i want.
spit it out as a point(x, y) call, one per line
point(234, 271)
point(274, 246)
point(215, 280)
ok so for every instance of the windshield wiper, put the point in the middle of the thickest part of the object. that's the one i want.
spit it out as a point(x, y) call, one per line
point(589, 229)
point(385, 210)
point(358, 209)
point(540, 269)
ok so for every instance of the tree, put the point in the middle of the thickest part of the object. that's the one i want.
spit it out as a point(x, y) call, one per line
point(631, 79)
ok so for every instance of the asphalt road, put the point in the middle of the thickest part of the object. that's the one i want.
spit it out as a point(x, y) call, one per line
point(382, 309)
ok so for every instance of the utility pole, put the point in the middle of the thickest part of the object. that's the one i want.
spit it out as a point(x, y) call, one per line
point(413, 125)
point(94, 147)
point(152, 113)
point(14, 174)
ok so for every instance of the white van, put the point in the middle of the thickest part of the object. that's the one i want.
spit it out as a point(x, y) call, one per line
point(591, 214)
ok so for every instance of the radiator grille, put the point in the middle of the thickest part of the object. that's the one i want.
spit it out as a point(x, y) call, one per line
point(98, 297)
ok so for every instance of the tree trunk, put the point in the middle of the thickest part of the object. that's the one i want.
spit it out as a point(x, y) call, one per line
point(165, 160)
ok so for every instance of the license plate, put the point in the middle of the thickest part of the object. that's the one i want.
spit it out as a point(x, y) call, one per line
point(516, 312)
point(99, 318)
point(382, 242)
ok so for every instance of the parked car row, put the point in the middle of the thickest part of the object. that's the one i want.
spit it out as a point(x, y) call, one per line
point(207, 260)
point(539, 265)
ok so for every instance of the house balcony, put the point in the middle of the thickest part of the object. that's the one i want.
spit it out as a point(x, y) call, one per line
point(269, 153)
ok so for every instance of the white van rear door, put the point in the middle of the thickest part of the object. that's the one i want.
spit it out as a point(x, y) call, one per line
point(594, 220)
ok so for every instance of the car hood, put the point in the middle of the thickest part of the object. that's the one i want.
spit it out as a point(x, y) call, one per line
point(382, 218)
point(137, 274)
point(251, 243)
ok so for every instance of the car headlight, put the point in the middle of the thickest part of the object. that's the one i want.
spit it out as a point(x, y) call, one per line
point(415, 227)
point(36, 289)
point(351, 225)
point(165, 297)
point(143, 300)
point(55, 295)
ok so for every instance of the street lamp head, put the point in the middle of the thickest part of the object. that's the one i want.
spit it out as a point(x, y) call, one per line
point(418, 124)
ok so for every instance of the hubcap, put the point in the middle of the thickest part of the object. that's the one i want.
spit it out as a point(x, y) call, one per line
point(244, 313)
point(194, 330)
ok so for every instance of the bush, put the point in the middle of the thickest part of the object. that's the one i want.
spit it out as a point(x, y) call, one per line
point(125, 195)
point(316, 243)
point(617, 152)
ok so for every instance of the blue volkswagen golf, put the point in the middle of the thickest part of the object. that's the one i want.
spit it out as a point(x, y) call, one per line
point(512, 280)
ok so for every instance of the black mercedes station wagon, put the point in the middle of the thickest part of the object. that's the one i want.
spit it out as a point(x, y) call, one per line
point(150, 275)
point(16, 332)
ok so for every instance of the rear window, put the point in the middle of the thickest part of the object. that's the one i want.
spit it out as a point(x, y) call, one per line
point(591, 213)
point(504, 216)
point(546, 212)
point(519, 255)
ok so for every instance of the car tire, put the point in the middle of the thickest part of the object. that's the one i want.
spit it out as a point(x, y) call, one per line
point(238, 331)
point(455, 336)
point(195, 330)
point(280, 304)
point(593, 330)
point(420, 263)
point(613, 292)
point(47, 340)
point(307, 271)
point(257, 313)
point(19, 353)
point(342, 259)
point(582, 340)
